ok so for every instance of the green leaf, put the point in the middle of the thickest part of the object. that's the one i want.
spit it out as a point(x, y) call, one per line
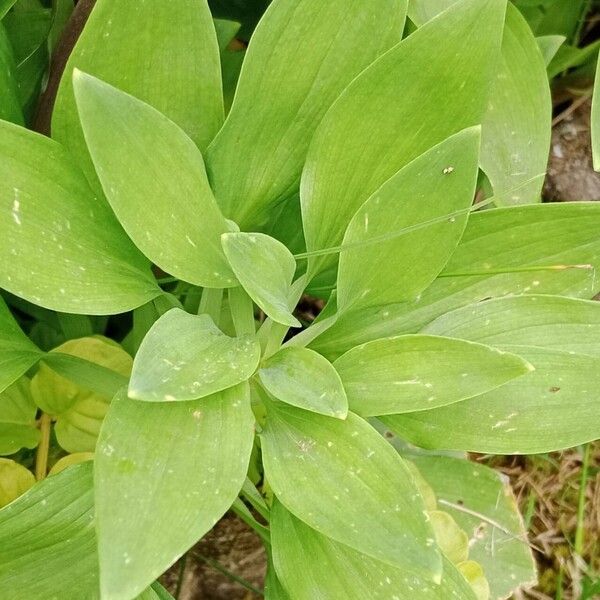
point(552, 408)
point(415, 372)
point(15, 480)
point(301, 56)
point(379, 124)
point(5, 6)
point(10, 108)
point(17, 418)
point(17, 352)
point(451, 539)
point(488, 512)
point(516, 129)
point(185, 357)
point(355, 488)
point(501, 249)
point(124, 44)
point(79, 411)
point(61, 247)
point(595, 119)
point(273, 588)
point(439, 182)
point(144, 159)
point(265, 268)
point(47, 541)
point(305, 379)
point(306, 561)
point(160, 464)
point(549, 46)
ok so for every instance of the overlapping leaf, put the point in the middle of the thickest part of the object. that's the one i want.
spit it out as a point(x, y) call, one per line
point(410, 99)
point(160, 464)
point(306, 561)
point(303, 378)
point(18, 428)
point(417, 372)
point(153, 176)
point(61, 247)
point(497, 256)
point(185, 357)
point(265, 268)
point(355, 488)
point(398, 267)
point(125, 44)
point(552, 408)
point(301, 56)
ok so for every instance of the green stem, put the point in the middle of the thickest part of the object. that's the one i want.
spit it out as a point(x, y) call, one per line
point(210, 303)
point(182, 565)
point(580, 531)
point(252, 495)
point(241, 510)
point(219, 567)
point(242, 311)
point(41, 456)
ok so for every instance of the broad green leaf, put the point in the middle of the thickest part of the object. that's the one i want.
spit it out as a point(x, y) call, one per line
point(61, 247)
point(500, 249)
point(153, 176)
point(305, 379)
point(549, 46)
point(15, 480)
point(355, 488)
point(568, 57)
point(265, 268)
point(473, 572)
point(10, 108)
point(17, 352)
point(451, 539)
point(273, 588)
point(552, 408)
point(71, 459)
point(5, 6)
point(17, 418)
point(488, 512)
point(79, 411)
point(301, 56)
point(307, 561)
point(124, 44)
point(160, 464)
point(416, 372)
point(516, 128)
point(398, 267)
point(185, 357)
point(47, 541)
point(595, 119)
point(379, 123)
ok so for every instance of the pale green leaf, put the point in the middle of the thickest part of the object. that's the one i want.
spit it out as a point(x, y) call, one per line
point(160, 464)
point(153, 176)
point(552, 408)
point(185, 357)
point(305, 379)
point(61, 247)
point(595, 119)
point(482, 503)
point(355, 488)
point(307, 561)
point(416, 372)
point(47, 541)
point(381, 122)
point(79, 411)
point(421, 11)
point(15, 480)
point(17, 352)
point(516, 128)
point(165, 56)
point(17, 418)
point(273, 588)
point(398, 267)
point(549, 46)
point(69, 460)
point(497, 256)
point(301, 56)
point(450, 538)
point(265, 268)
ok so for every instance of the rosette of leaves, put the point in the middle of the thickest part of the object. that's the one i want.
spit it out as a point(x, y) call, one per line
point(346, 167)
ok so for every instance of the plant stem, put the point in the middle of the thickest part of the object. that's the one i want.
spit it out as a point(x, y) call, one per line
point(182, 565)
point(252, 495)
point(580, 530)
point(219, 567)
point(41, 457)
point(210, 303)
point(242, 311)
point(241, 510)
